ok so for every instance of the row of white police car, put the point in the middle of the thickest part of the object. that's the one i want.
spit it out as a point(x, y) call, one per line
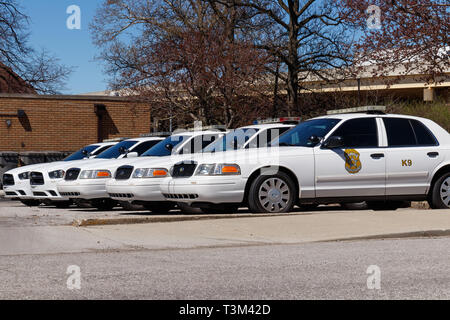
point(350, 155)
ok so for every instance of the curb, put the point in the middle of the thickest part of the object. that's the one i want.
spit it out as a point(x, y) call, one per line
point(118, 221)
point(411, 234)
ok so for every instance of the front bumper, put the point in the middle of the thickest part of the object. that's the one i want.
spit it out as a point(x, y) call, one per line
point(47, 191)
point(213, 189)
point(21, 189)
point(135, 189)
point(83, 189)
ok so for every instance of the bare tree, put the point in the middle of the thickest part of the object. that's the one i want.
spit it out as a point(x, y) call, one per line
point(412, 36)
point(39, 69)
point(313, 39)
point(192, 57)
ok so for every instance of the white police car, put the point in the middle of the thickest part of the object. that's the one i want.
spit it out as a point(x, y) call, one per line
point(17, 181)
point(348, 156)
point(43, 180)
point(138, 180)
point(88, 182)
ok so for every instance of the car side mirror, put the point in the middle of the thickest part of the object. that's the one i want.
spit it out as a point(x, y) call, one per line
point(334, 142)
point(132, 155)
point(314, 139)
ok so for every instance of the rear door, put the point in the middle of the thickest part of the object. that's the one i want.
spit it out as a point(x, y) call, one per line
point(356, 170)
point(411, 157)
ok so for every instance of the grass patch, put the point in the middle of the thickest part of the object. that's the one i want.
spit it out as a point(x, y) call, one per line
point(438, 111)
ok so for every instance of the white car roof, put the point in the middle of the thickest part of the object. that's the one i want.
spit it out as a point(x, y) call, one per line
point(268, 126)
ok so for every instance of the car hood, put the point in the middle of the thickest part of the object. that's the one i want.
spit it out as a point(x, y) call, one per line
point(31, 167)
point(65, 165)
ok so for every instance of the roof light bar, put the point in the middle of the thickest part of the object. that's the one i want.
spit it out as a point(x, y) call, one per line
point(219, 127)
point(115, 139)
point(279, 120)
point(368, 109)
point(156, 134)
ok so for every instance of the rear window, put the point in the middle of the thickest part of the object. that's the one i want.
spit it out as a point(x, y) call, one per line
point(407, 133)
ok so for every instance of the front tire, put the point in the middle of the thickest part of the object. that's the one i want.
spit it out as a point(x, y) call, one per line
point(159, 207)
point(272, 194)
point(104, 204)
point(440, 194)
point(31, 203)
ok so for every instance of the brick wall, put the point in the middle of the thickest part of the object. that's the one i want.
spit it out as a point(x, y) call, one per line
point(66, 123)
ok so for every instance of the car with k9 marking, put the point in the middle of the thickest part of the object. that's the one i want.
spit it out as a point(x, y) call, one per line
point(351, 155)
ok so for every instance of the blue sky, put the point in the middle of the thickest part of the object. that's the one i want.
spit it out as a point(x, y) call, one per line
point(74, 47)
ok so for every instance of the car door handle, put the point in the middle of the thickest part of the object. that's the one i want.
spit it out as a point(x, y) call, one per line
point(433, 154)
point(377, 155)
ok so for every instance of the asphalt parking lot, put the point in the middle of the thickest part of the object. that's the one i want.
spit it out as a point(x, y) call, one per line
point(320, 254)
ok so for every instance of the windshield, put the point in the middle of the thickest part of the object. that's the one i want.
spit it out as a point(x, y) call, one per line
point(233, 140)
point(299, 136)
point(160, 149)
point(81, 154)
point(115, 151)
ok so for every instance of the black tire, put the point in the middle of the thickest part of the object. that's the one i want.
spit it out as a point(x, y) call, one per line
point(104, 204)
point(438, 200)
point(62, 204)
point(130, 207)
point(386, 205)
point(222, 209)
point(31, 203)
point(308, 206)
point(354, 205)
point(185, 208)
point(156, 207)
point(290, 196)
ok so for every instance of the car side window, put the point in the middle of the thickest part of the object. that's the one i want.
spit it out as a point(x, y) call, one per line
point(198, 143)
point(423, 134)
point(266, 136)
point(359, 133)
point(407, 133)
point(144, 146)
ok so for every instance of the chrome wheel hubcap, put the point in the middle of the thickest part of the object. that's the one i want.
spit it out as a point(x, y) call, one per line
point(274, 195)
point(445, 192)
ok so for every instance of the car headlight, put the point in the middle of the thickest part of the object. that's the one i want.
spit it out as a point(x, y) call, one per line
point(95, 174)
point(57, 174)
point(150, 173)
point(218, 169)
point(24, 175)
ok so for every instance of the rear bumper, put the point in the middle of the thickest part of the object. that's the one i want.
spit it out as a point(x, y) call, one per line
point(135, 189)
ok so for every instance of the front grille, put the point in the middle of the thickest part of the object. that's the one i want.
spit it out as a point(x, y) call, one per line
point(10, 193)
point(72, 174)
point(184, 170)
point(124, 173)
point(39, 194)
point(8, 180)
point(180, 196)
point(121, 195)
point(69, 194)
point(36, 178)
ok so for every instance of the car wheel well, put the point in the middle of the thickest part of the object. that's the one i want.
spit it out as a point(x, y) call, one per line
point(437, 175)
point(257, 172)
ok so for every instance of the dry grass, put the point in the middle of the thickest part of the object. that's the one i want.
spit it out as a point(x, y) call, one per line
point(438, 111)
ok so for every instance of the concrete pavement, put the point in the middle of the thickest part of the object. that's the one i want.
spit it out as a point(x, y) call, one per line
point(409, 269)
point(282, 229)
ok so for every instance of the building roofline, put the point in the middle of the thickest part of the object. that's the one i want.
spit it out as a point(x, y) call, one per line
point(66, 97)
